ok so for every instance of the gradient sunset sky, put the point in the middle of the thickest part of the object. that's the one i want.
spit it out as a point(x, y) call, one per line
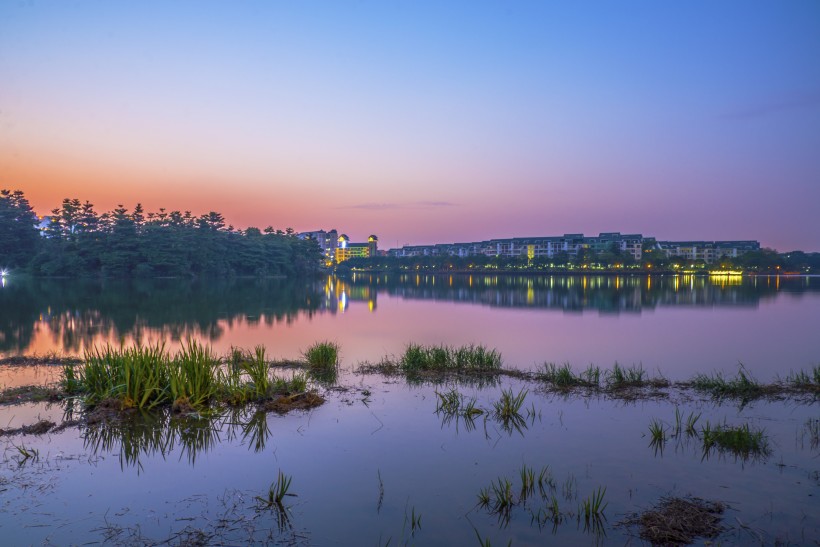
point(423, 122)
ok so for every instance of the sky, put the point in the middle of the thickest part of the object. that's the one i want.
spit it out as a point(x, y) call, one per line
point(423, 122)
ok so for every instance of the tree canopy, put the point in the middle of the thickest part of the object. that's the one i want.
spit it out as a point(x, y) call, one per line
point(77, 241)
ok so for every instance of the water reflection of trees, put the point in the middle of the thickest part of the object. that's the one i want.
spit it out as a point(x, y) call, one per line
point(161, 434)
point(80, 312)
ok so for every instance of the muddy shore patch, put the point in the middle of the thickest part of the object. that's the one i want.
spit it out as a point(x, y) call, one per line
point(678, 521)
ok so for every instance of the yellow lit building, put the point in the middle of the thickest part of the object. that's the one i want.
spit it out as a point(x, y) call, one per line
point(346, 250)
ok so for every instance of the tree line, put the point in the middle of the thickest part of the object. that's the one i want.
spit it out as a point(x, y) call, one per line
point(78, 241)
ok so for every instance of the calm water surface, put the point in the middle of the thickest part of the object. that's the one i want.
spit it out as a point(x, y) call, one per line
point(377, 452)
point(679, 325)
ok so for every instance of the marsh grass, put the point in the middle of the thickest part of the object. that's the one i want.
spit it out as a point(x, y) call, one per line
point(448, 402)
point(741, 441)
point(277, 492)
point(564, 378)
point(805, 381)
point(137, 377)
point(471, 358)
point(414, 519)
point(509, 405)
point(657, 432)
point(192, 375)
point(289, 386)
point(146, 377)
point(594, 505)
point(322, 356)
point(546, 483)
point(743, 385)
point(620, 377)
point(256, 366)
point(527, 475)
point(812, 428)
point(70, 382)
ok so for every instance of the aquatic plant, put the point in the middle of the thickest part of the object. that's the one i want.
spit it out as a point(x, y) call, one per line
point(256, 366)
point(620, 377)
point(26, 453)
point(594, 505)
point(418, 358)
point(448, 402)
point(742, 386)
point(509, 405)
point(414, 519)
point(502, 496)
point(545, 481)
point(570, 488)
point(192, 375)
point(277, 491)
point(742, 441)
point(527, 481)
point(805, 381)
point(70, 382)
point(560, 377)
point(657, 431)
point(322, 356)
point(691, 420)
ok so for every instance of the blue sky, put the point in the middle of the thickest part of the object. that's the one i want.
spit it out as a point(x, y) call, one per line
point(424, 121)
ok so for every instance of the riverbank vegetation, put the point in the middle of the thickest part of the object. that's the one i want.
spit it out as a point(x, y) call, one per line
point(194, 379)
point(77, 241)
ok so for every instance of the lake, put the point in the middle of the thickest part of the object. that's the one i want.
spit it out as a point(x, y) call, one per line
point(380, 462)
point(678, 325)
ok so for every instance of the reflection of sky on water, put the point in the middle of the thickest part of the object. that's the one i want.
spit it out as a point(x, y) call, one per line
point(677, 324)
point(336, 454)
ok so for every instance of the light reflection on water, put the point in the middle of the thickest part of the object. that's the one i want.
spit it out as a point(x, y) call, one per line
point(679, 325)
point(163, 471)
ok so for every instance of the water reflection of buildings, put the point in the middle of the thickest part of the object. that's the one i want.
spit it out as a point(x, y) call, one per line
point(605, 294)
point(340, 293)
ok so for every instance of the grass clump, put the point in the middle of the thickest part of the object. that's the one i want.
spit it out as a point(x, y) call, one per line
point(277, 491)
point(593, 506)
point(192, 376)
point(509, 406)
point(622, 377)
point(742, 386)
point(561, 377)
point(657, 431)
point(138, 377)
point(322, 356)
point(741, 441)
point(805, 381)
point(471, 358)
point(147, 377)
